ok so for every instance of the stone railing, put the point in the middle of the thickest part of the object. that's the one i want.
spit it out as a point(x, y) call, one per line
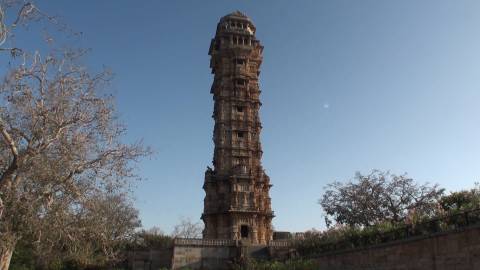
point(280, 243)
point(224, 242)
point(203, 242)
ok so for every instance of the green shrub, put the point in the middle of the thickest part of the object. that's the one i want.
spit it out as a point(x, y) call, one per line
point(298, 264)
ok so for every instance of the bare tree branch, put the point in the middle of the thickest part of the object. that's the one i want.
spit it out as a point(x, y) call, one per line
point(7, 174)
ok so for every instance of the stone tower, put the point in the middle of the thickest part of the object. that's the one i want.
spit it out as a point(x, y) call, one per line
point(237, 203)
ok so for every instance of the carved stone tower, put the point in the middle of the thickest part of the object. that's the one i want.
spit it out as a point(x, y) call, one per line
point(237, 203)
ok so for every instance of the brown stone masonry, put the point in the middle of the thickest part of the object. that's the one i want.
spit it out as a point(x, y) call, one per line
point(457, 250)
point(237, 202)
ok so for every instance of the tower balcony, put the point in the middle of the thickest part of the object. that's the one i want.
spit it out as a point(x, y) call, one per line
point(245, 209)
point(244, 118)
point(240, 48)
point(241, 70)
point(245, 146)
point(241, 170)
point(243, 31)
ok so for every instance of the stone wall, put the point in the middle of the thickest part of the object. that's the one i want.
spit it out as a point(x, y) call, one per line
point(459, 250)
point(203, 253)
point(208, 254)
point(150, 259)
point(216, 254)
point(455, 250)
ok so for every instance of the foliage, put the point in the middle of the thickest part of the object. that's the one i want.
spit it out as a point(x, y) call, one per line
point(461, 200)
point(341, 237)
point(376, 198)
point(297, 264)
point(381, 207)
point(101, 245)
point(23, 257)
point(150, 239)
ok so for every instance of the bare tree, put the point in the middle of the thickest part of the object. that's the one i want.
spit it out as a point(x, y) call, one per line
point(60, 143)
point(21, 13)
point(64, 171)
point(377, 197)
point(187, 229)
point(154, 231)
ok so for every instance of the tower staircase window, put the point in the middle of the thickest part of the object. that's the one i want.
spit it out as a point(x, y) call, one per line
point(239, 61)
point(244, 231)
point(240, 82)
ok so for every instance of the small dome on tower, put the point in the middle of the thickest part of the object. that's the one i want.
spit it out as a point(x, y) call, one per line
point(236, 15)
point(238, 20)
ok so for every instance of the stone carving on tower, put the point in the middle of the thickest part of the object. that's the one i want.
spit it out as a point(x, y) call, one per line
point(237, 203)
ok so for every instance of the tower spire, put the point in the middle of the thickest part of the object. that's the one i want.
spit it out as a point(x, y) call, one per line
point(237, 203)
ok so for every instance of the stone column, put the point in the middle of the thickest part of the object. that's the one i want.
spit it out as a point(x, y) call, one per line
point(255, 236)
point(234, 228)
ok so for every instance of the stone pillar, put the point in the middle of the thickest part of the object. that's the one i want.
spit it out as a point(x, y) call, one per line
point(235, 229)
point(255, 236)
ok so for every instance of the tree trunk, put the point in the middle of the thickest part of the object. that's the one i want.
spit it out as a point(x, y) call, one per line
point(1, 208)
point(5, 257)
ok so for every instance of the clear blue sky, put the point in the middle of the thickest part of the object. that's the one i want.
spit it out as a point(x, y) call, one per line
point(346, 85)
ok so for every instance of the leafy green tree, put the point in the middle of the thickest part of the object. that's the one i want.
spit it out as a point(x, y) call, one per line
point(23, 257)
point(461, 200)
point(152, 238)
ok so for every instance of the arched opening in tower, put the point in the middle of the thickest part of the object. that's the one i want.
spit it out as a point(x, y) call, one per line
point(244, 231)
